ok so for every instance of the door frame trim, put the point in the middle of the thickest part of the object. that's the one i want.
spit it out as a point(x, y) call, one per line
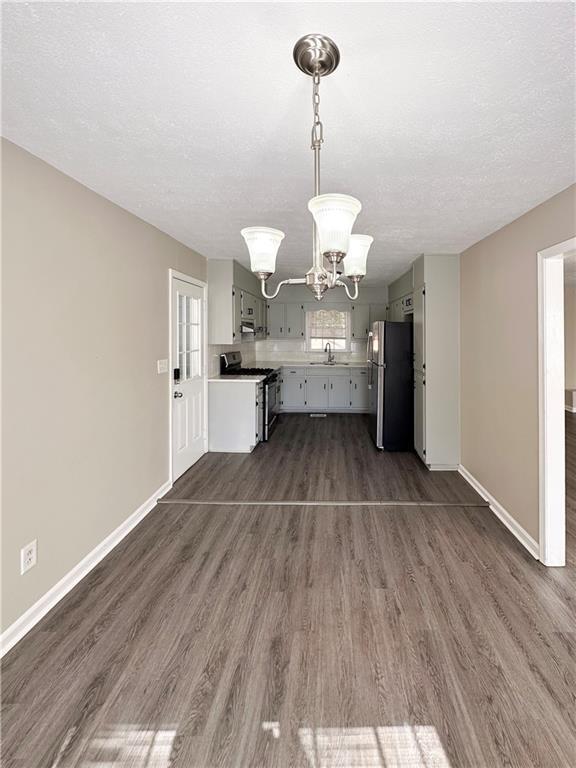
point(174, 274)
point(551, 447)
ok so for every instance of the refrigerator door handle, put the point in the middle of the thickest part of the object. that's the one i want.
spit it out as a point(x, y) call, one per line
point(369, 348)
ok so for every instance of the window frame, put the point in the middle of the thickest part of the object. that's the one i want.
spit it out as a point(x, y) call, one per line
point(332, 339)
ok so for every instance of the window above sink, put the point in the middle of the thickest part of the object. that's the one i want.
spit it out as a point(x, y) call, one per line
point(328, 325)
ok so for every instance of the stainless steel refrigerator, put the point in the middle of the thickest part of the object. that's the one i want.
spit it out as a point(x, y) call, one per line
point(390, 385)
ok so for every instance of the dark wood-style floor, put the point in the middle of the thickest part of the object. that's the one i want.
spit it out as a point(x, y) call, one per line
point(331, 459)
point(269, 637)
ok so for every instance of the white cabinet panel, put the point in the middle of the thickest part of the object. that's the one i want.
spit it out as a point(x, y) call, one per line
point(339, 392)
point(276, 320)
point(294, 321)
point(359, 391)
point(293, 391)
point(360, 321)
point(420, 414)
point(317, 391)
point(419, 335)
point(249, 306)
point(237, 332)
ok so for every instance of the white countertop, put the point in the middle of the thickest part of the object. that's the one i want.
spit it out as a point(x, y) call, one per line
point(235, 379)
point(306, 364)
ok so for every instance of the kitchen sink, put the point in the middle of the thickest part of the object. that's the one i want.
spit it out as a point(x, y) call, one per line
point(329, 363)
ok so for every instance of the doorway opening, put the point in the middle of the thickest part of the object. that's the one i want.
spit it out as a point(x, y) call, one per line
point(552, 449)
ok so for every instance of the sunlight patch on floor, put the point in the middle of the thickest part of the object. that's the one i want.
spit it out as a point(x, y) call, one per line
point(124, 745)
point(394, 746)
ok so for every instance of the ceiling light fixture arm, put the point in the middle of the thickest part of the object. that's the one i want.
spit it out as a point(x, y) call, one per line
point(351, 296)
point(289, 281)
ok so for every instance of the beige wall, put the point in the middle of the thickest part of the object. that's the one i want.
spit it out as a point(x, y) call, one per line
point(570, 335)
point(499, 355)
point(85, 317)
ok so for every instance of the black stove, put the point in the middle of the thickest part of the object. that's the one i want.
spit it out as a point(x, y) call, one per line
point(247, 371)
point(231, 365)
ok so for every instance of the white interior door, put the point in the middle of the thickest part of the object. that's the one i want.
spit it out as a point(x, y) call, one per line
point(189, 389)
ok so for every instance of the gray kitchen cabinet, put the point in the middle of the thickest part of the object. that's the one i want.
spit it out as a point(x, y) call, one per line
point(237, 332)
point(317, 391)
point(260, 318)
point(360, 321)
point(420, 414)
point(339, 392)
point(359, 390)
point(249, 306)
point(419, 315)
point(276, 320)
point(232, 291)
point(293, 392)
point(294, 321)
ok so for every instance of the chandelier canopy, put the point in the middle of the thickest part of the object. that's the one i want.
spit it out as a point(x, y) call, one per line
point(333, 215)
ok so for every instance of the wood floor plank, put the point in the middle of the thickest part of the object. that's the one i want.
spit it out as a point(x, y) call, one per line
point(331, 459)
point(266, 637)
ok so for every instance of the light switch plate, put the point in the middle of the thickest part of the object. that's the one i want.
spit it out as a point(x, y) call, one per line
point(162, 366)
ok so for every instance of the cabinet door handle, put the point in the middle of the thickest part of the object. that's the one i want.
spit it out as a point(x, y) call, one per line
point(331, 386)
point(300, 385)
point(324, 386)
point(288, 330)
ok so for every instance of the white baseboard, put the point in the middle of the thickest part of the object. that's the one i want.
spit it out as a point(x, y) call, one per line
point(570, 408)
point(505, 517)
point(443, 467)
point(32, 616)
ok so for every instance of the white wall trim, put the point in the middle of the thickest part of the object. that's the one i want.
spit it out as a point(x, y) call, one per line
point(502, 514)
point(443, 467)
point(32, 616)
point(551, 402)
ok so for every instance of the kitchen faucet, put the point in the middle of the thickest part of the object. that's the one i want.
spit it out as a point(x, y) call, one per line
point(328, 348)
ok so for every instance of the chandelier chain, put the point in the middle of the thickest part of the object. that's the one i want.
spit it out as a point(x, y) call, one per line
point(317, 127)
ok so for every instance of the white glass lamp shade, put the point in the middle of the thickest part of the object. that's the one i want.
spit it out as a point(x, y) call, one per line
point(355, 260)
point(334, 216)
point(263, 244)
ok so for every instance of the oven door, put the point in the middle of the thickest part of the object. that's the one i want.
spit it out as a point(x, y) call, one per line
point(272, 405)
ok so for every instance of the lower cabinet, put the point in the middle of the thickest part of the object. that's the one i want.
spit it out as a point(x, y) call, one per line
point(420, 414)
point(317, 391)
point(359, 391)
point(339, 392)
point(293, 392)
point(309, 389)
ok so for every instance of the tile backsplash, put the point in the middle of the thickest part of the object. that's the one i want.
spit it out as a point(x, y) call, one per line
point(293, 350)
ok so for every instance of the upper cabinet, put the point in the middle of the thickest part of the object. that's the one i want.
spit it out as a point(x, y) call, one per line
point(400, 297)
point(286, 321)
point(277, 320)
point(418, 325)
point(295, 321)
point(233, 302)
point(360, 321)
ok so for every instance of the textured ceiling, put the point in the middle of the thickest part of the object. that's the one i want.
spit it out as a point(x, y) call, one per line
point(446, 120)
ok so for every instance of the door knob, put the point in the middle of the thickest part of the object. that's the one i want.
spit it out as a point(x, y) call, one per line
point(177, 394)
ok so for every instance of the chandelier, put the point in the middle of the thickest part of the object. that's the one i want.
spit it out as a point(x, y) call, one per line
point(333, 214)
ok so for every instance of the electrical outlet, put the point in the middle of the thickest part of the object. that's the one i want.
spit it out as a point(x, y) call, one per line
point(162, 366)
point(28, 557)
